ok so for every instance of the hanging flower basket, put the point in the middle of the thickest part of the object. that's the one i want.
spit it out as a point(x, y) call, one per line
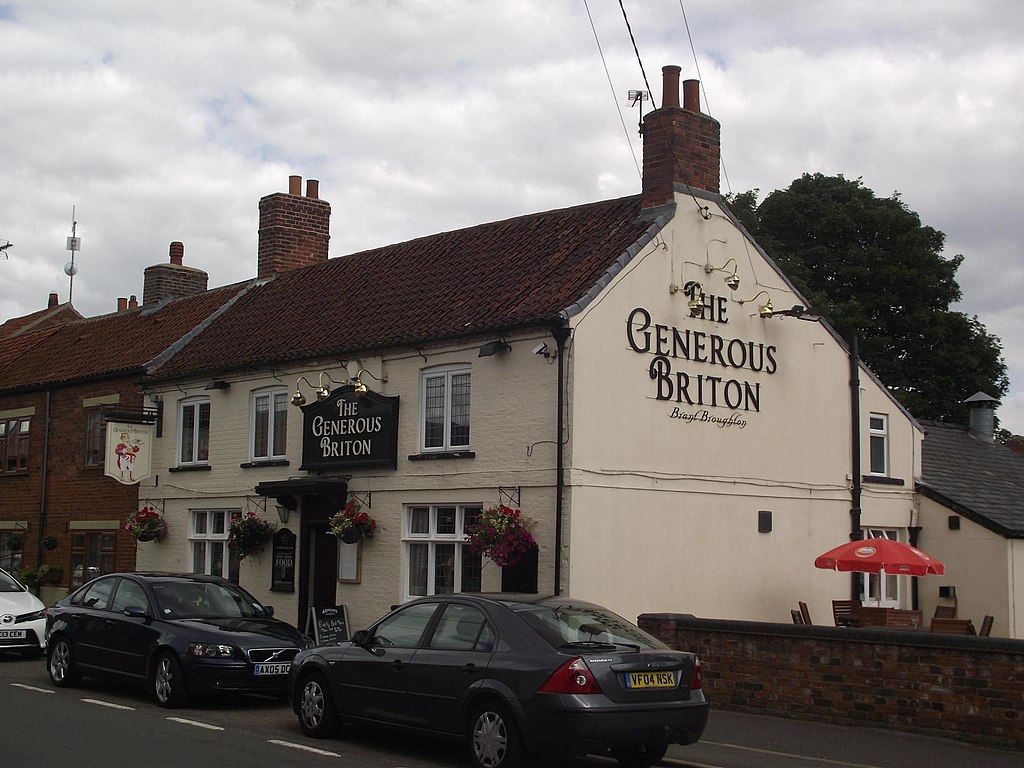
point(146, 525)
point(501, 534)
point(351, 524)
point(248, 533)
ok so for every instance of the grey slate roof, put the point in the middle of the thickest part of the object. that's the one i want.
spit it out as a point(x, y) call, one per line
point(980, 481)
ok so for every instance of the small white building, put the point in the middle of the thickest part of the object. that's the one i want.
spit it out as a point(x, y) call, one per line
point(635, 375)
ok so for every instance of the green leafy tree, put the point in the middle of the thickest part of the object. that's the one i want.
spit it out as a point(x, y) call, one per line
point(874, 271)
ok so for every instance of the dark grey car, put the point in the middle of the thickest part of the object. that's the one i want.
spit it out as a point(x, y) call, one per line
point(518, 677)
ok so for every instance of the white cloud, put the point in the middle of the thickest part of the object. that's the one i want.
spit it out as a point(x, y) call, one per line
point(168, 120)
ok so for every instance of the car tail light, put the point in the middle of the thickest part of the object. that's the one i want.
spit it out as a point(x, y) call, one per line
point(697, 678)
point(572, 677)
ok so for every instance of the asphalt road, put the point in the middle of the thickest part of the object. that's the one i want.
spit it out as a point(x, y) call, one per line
point(103, 724)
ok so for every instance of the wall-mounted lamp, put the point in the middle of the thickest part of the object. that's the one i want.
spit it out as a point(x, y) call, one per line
point(282, 512)
point(800, 312)
point(322, 393)
point(765, 310)
point(733, 280)
point(361, 388)
point(496, 347)
point(217, 384)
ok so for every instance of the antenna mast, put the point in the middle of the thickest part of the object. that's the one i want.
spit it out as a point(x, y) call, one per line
point(74, 244)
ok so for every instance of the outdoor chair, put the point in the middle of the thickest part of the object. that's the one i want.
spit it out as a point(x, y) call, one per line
point(798, 617)
point(945, 612)
point(846, 613)
point(986, 626)
point(952, 626)
point(805, 613)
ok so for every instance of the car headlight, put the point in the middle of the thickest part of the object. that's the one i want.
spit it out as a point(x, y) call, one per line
point(40, 614)
point(210, 650)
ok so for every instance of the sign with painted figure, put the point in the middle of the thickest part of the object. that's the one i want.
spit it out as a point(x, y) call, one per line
point(348, 429)
point(128, 458)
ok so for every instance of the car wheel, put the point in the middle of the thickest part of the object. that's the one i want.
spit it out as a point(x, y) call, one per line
point(317, 716)
point(169, 682)
point(493, 737)
point(640, 756)
point(61, 665)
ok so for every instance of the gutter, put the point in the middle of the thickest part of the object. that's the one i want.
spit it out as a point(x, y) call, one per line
point(561, 333)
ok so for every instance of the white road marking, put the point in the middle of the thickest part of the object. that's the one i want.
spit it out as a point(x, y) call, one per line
point(196, 723)
point(303, 747)
point(32, 688)
point(806, 758)
point(109, 704)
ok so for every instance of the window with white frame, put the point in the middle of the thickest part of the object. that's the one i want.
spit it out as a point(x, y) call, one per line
point(208, 543)
point(880, 588)
point(437, 559)
point(878, 427)
point(194, 432)
point(444, 398)
point(269, 424)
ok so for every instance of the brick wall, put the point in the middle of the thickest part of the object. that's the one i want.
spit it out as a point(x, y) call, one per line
point(966, 688)
point(294, 229)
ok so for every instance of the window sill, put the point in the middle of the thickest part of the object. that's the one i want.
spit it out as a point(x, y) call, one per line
point(879, 480)
point(443, 455)
point(264, 463)
point(190, 468)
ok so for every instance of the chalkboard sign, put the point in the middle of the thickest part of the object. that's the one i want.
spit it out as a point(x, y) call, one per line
point(330, 624)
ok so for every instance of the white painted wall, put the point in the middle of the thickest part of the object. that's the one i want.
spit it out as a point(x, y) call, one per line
point(665, 511)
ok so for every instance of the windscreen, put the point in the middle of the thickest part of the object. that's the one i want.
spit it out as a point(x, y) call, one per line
point(194, 600)
point(567, 624)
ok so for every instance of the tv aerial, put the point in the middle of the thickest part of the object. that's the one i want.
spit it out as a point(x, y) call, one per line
point(4, 245)
point(637, 99)
point(74, 244)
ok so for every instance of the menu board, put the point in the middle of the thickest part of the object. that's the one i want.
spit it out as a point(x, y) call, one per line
point(330, 624)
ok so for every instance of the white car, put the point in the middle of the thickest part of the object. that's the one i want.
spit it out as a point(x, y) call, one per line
point(22, 617)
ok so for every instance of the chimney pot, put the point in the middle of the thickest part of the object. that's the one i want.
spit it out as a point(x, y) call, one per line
point(294, 185)
point(691, 95)
point(122, 304)
point(670, 85)
point(133, 302)
point(53, 301)
point(177, 251)
point(313, 188)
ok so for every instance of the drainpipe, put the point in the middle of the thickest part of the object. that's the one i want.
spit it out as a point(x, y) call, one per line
point(914, 532)
point(42, 493)
point(855, 470)
point(561, 334)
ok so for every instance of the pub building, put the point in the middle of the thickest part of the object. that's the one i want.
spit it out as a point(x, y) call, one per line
point(635, 375)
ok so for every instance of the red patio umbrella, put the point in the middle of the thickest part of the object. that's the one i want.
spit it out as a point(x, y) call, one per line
point(874, 555)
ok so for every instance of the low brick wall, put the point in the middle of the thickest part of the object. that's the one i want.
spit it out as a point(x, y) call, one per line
point(965, 688)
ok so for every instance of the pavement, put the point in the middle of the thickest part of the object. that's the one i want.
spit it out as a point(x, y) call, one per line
point(737, 740)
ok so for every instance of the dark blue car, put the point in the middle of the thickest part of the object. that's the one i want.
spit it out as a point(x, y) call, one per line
point(519, 678)
point(178, 634)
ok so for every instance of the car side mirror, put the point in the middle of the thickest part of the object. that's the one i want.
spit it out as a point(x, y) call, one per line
point(135, 612)
point(269, 610)
point(360, 638)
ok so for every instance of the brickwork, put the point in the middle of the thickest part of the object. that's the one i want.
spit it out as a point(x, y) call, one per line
point(965, 688)
point(74, 491)
point(169, 281)
point(294, 232)
point(681, 147)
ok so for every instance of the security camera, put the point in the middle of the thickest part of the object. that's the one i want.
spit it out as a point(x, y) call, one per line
point(541, 349)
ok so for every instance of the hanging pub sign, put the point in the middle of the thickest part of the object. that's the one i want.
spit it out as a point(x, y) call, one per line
point(347, 429)
point(129, 451)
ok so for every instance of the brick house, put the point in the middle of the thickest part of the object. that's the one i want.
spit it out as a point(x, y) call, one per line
point(62, 379)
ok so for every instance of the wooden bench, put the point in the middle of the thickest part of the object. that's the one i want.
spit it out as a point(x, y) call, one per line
point(873, 616)
point(952, 626)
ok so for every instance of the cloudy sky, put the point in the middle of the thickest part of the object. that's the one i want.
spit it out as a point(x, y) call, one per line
point(169, 119)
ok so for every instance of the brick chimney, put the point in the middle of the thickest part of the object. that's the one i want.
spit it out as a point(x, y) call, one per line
point(294, 229)
point(169, 281)
point(53, 301)
point(681, 144)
